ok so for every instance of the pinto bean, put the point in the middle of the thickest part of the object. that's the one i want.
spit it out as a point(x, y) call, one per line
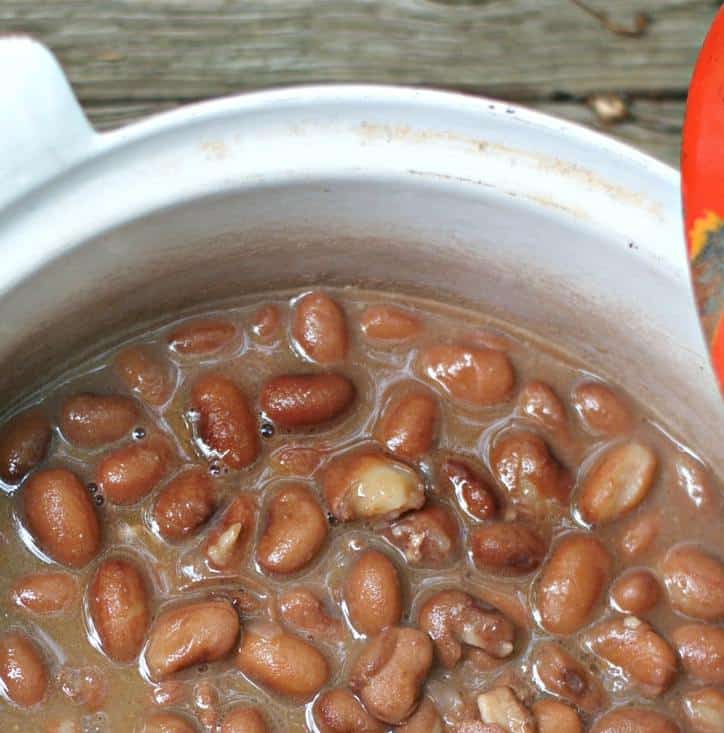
point(553, 716)
point(389, 323)
point(295, 531)
point(61, 517)
point(634, 647)
point(640, 534)
point(319, 328)
point(119, 607)
point(194, 633)
point(24, 443)
point(206, 702)
point(86, 686)
point(93, 420)
point(695, 482)
point(226, 424)
point(694, 581)
point(130, 473)
point(704, 710)
point(631, 719)
point(23, 671)
point(185, 504)
point(303, 400)
point(453, 621)
point(619, 481)
point(510, 548)
point(428, 536)
point(701, 650)
point(602, 411)
point(266, 323)
point(202, 336)
point(339, 711)
point(373, 593)
point(539, 402)
point(636, 592)
point(572, 583)
point(243, 719)
point(230, 537)
point(302, 610)
point(425, 719)
point(389, 673)
point(500, 706)
point(167, 723)
point(364, 484)
point(281, 662)
point(409, 422)
point(474, 494)
point(296, 460)
point(145, 374)
point(524, 465)
point(481, 377)
point(45, 592)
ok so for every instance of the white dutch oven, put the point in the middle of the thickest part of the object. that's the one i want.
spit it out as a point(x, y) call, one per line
point(558, 229)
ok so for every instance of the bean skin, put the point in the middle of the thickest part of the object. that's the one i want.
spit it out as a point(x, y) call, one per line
point(23, 671)
point(93, 420)
point(427, 537)
point(145, 374)
point(319, 328)
point(45, 592)
point(631, 719)
point(501, 707)
point(229, 539)
point(243, 719)
point(388, 323)
point(185, 504)
point(474, 493)
point(24, 443)
point(508, 548)
point(601, 410)
point(701, 650)
point(694, 581)
point(339, 711)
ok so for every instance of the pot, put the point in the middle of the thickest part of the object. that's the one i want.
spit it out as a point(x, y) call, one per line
point(562, 231)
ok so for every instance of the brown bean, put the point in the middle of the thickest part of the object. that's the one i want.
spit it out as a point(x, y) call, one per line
point(130, 473)
point(303, 400)
point(428, 536)
point(522, 463)
point(181, 637)
point(202, 336)
point(454, 621)
point(636, 592)
point(45, 592)
point(281, 662)
point(389, 323)
point(373, 593)
point(480, 377)
point(24, 443)
point(339, 711)
point(144, 373)
point(695, 482)
point(500, 706)
point(231, 536)
point(701, 650)
point(206, 702)
point(61, 517)
point(602, 411)
point(302, 610)
point(704, 710)
point(556, 717)
point(119, 607)
point(409, 422)
point(23, 672)
point(390, 672)
point(559, 673)
point(425, 719)
point(364, 484)
point(634, 647)
point(630, 719)
point(572, 583)
point(93, 420)
point(640, 534)
point(226, 424)
point(266, 323)
point(185, 504)
point(539, 402)
point(474, 494)
point(243, 719)
point(296, 460)
point(86, 686)
point(295, 531)
point(319, 328)
point(167, 723)
point(510, 548)
point(694, 581)
point(618, 482)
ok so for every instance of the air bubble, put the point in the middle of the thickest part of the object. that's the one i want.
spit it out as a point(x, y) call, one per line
point(99, 500)
point(267, 430)
point(139, 433)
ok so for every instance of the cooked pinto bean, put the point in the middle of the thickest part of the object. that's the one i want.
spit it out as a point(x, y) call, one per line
point(631, 719)
point(601, 410)
point(191, 634)
point(45, 592)
point(296, 460)
point(364, 484)
point(93, 420)
point(389, 673)
point(479, 376)
point(510, 548)
point(119, 607)
point(428, 536)
point(145, 374)
point(373, 593)
point(539, 402)
point(295, 531)
point(167, 723)
point(319, 328)
point(701, 650)
point(23, 672)
point(409, 422)
point(24, 443)
point(696, 483)
point(202, 336)
point(128, 474)
point(227, 541)
point(634, 647)
point(244, 719)
point(500, 706)
point(704, 710)
point(619, 481)
point(389, 323)
point(281, 662)
point(474, 494)
point(636, 592)
point(556, 717)
point(86, 686)
point(266, 323)
point(640, 534)
point(425, 719)
point(302, 610)
point(185, 504)
point(694, 581)
point(61, 517)
point(302, 400)
point(453, 620)
point(339, 711)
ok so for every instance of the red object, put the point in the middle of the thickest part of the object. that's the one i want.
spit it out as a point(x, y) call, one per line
point(702, 167)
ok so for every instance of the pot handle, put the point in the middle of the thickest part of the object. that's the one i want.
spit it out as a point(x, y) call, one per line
point(43, 130)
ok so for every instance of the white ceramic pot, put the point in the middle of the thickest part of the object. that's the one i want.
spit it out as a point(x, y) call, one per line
point(551, 226)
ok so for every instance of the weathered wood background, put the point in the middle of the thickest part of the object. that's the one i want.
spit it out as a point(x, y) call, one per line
point(130, 58)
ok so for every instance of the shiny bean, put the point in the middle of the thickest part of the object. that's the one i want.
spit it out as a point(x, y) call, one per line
point(24, 443)
point(389, 323)
point(474, 493)
point(319, 328)
point(425, 719)
point(185, 504)
point(167, 723)
point(631, 719)
point(701, 650)
point(243, 719)
point(339, 711)
point(144, 373)
point(302, 610)
point(23, 671)
point(695, 482)
point(704, 710)
point(266, 323)
point(539, 402)
point(508, 548)
point(296, 460)
point(694, 581)
point(45, 592)
point(556, 717)
point(202, 336)
point(635, 592)
point(640, 534)
point(602, 411)
point(427, 537)
point(93, 420)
